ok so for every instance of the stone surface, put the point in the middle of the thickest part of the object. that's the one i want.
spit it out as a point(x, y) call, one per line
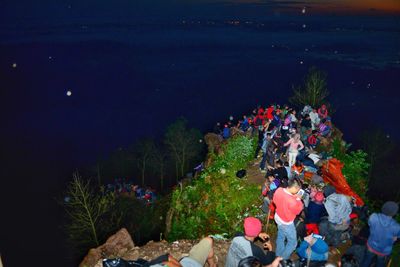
point(116, 245)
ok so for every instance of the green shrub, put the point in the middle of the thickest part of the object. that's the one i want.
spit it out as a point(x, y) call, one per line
point(355, 167)
point(217, 202)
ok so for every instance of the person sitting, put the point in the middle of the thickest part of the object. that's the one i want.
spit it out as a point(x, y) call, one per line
point(314, 249)
point(226, 132)
point(339, 209)
point(312, 140)
point(314, 212)
point(298, 170)
point(324, 129)
point(315, 120)
point(323, 112)
point(243, 246)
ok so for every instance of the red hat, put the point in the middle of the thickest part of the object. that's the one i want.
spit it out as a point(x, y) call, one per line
point(319, 197)
point(252, 227)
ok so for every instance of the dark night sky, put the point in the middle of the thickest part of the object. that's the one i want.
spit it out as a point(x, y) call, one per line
point(134, 66)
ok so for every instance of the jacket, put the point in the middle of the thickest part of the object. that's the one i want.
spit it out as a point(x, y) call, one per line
point(383, 231)
point(338, 208)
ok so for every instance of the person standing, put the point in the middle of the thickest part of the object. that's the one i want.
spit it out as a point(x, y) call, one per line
point(288, 206)
point(384, 231)
point(295, 145)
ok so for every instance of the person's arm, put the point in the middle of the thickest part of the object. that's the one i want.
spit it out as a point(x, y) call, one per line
point(301, 145)
point(288, 142)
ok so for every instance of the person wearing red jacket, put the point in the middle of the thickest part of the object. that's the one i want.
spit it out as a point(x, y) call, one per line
point(288, 205)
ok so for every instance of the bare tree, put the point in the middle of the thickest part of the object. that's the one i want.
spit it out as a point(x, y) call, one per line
point(313, 92)
point(144, 150)
point(84, 209)
point(184, 145)
point(159, 160)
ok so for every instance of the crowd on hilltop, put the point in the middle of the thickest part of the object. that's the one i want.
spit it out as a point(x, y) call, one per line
point(313, 220)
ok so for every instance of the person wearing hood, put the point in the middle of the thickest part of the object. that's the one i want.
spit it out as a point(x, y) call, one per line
point(384, 231)
point(339, 209)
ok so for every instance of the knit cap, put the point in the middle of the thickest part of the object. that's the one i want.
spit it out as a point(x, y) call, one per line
point(329, 190)
point(252, 227)
point(390, 208)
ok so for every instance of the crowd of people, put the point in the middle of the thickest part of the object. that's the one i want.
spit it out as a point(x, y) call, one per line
point(121, 186)
point(312, 219)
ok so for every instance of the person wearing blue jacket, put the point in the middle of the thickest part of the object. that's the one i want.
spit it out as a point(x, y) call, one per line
point(384, 231)
point(317, 249)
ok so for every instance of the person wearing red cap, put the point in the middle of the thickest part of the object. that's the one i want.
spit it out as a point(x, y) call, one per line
point(243, 246)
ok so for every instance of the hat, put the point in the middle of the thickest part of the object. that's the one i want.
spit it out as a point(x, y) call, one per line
point(329, 190)
point(252, 227)
point(319, 197)
point(390, 208)
point(320, 246)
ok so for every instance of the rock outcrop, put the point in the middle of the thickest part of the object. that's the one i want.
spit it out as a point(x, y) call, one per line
point(121, 245)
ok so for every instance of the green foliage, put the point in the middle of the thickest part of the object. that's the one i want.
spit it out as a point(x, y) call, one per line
point(87, 213)
point(218, 201)
point(314, 91)
point(355, 168)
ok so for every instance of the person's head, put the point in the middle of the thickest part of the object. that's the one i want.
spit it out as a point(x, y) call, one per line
point(250, 261)
point(296, 137)
point(286, 164)
point(307, 116)
point(319, 197)
point(329, 190)
point(314, 132)
point(294, 186)
point(268, 136)
point(271, 177)
point(279, 163)
point(252, 227)
point(390, 208)
point(323, 106)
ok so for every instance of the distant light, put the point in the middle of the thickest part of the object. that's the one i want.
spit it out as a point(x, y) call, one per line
point(301, 62)
point(69, 93)
point(50, 57)
point(336, 51)
point(14, 65)
point(304, 10)
point(304, 25)
point(306, 49)
point(231, 118)
point(387, 136)
point(200, 140)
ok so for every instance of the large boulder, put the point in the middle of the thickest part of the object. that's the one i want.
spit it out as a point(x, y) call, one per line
point(116, 245)
point(214, 142)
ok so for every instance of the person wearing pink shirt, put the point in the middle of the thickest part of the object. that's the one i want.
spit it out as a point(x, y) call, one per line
point(295, 145)
point(288, 205)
